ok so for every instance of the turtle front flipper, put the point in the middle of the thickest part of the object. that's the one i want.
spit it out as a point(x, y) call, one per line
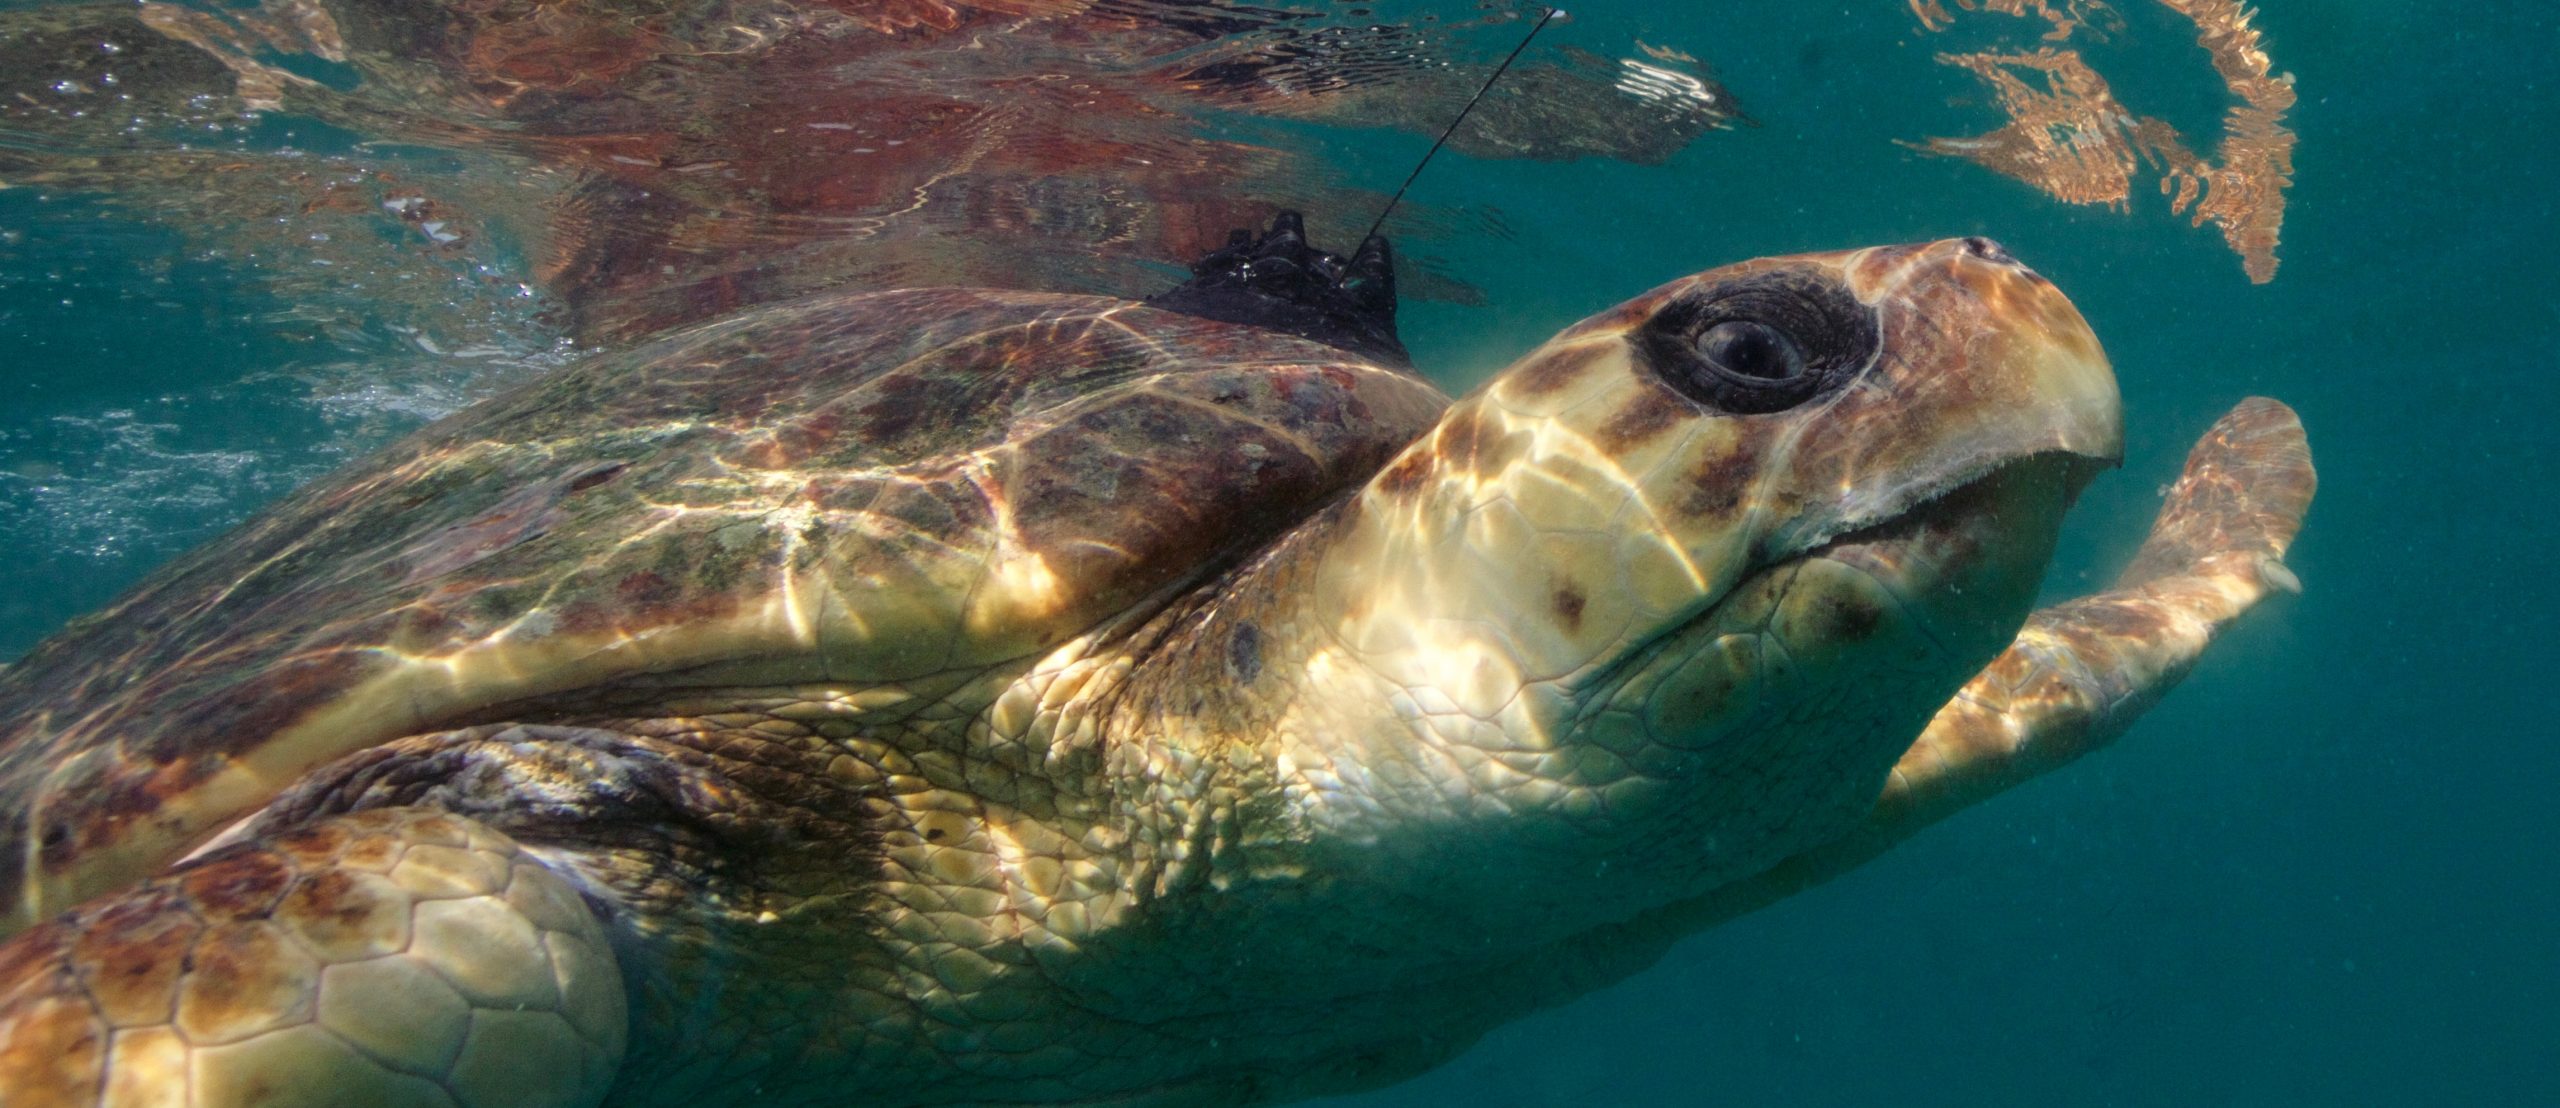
point(389, 957)
point(2080, 672)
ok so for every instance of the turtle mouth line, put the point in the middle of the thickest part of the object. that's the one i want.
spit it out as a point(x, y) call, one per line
point(1960, 501)
point(1939, 533)
point(1963, 539)
point(1938, 509)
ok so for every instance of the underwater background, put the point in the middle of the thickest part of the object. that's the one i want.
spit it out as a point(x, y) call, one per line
point(2325, 870)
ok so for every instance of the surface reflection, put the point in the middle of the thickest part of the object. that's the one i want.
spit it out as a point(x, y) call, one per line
point(671, 161)
point(2070, 138)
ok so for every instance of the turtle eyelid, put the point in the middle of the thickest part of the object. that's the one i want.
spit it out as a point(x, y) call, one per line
point(1835, 334)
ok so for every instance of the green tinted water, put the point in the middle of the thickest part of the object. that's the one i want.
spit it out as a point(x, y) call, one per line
point(2322, 872)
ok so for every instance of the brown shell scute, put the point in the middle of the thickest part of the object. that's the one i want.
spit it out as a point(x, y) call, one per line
point(874, 485)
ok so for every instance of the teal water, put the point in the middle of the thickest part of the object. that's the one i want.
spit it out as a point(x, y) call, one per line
point(2327, 869)
point(2322, 872)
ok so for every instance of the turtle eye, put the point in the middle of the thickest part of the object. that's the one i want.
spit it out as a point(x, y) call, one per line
point(1761, 343)
point(1748, 348)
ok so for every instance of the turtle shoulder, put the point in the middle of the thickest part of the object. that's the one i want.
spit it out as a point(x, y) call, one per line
point(860, 488)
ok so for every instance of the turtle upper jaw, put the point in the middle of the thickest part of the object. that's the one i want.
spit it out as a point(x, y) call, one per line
point(1963, 567)
point(2034, 381)
point(1959, 565)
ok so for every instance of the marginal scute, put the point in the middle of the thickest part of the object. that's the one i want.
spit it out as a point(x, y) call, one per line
point(1405, 477)
point(585, 975)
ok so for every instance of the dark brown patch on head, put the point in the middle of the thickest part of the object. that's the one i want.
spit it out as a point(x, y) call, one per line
point(439, 830)
point(1403, 478)
point(39, 951)
point(114, 798)
point(1651, 412)
point(1720, 483)
point(1625, 317)
point(1555, 370)
point(329, 901)
point(1711, 500)
point(55, 843)
point(1461, 438)
point(1841, 618)
point(1568, 602)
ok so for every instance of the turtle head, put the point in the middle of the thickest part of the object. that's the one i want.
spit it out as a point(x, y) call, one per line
point(1677, 588)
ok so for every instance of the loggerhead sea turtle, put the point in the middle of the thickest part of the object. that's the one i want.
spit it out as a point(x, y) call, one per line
point(960, 696)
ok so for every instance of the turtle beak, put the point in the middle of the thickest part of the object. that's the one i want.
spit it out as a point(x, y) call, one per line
point(2022, 416)
point(2056, 391)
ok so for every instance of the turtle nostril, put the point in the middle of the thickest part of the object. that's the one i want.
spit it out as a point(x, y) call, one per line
point(1987, 250)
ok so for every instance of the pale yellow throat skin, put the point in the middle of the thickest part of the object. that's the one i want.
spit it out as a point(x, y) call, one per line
point(1628, 643)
